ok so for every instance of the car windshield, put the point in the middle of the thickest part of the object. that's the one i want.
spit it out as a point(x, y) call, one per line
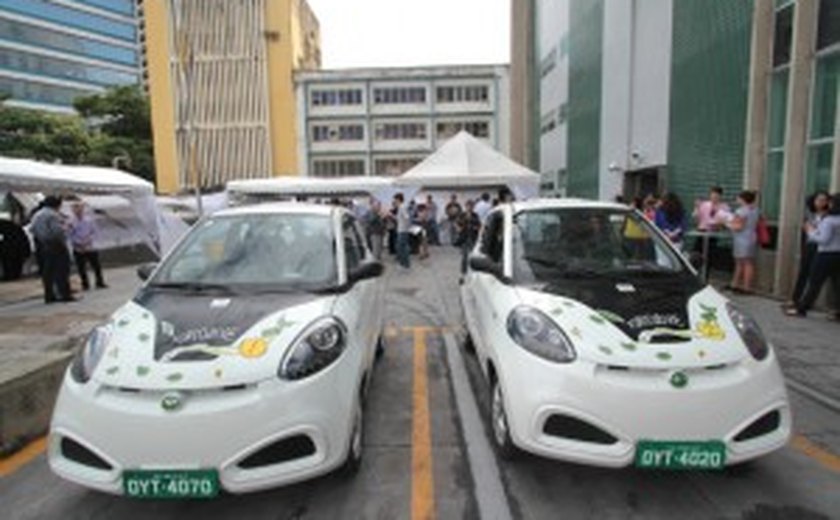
point(562, 243)
point(263, 252)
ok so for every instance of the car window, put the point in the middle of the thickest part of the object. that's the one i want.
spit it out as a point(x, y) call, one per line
point(555, 243)
point(266, 250)
point(492, 239)
point(353, 249)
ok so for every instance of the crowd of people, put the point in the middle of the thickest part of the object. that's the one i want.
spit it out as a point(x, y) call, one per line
point(745, 225)
point(58, 240)
point(411, 227)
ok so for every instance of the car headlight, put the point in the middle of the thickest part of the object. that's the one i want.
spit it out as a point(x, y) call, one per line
point(318, 346)
point(750, 332)
point(538, 334)
point(88, 358)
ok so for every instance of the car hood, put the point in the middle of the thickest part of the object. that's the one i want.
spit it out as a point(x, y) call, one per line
point(706, 338)
point(164, 340)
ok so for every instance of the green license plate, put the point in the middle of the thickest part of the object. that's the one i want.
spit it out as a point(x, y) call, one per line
point(681, 455)
point(202, 483)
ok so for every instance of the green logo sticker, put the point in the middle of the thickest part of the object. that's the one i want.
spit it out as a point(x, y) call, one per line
point(679, 380)
point(171, 401)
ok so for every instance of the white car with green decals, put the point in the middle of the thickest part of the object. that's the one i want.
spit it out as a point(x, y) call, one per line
point(241, 364)
point(601, 345)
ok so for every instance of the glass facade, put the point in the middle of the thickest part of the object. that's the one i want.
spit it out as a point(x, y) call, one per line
point(777, 120)
point(91, 43)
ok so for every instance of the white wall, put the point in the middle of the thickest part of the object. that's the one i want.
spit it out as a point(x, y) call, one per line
point(635, 94)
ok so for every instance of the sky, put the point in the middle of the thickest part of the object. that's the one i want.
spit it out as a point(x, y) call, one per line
point(389, 33)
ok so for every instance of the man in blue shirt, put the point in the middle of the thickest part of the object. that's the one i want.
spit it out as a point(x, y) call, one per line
point(82, 235)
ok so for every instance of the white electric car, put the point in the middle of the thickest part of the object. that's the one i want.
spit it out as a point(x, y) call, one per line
point(601, 345)
point(241, 364)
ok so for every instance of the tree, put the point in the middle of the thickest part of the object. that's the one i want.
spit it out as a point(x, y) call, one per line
point(43, 136)
point(120, 123)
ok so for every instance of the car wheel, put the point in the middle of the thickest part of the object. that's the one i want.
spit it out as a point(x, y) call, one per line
point(356, 448)
point(499, 423)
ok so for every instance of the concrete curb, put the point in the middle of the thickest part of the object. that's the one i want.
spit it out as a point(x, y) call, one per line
point(815, 395)
point(26, 402)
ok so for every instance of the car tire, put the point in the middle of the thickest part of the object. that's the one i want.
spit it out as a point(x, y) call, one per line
point(499, 425)
point(355, 450)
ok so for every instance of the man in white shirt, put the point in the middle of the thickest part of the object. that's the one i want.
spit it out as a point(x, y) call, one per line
point(482, 207)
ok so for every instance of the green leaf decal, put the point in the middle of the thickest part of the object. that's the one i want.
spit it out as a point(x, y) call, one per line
point(143, 371)
point(611, 316)
point(597, 319)
point(112, 371)
point(606, 350)
point(557, 311)
point(177, 376)
point(145, 315)
point(270, 332)
point(708, 309)
point(664, 356)
point(568, 304)
point(123, 322)
point(628, 346)
point(143, 337)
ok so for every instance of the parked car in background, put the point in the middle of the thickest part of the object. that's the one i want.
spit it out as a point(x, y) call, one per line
point(602, 346)
point(241, 364)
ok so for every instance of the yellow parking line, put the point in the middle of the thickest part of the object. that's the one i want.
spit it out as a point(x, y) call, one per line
point(829, 460)
point(422, 480)
point(14, 462)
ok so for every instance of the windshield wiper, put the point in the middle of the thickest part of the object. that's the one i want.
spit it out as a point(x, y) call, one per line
point(547, 262)
point(196, 287)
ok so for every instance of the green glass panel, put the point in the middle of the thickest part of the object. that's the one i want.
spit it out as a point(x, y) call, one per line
point(772, 190)
point(818, 173)
point(824, 101)
point(584, 114)
point(778, 109)
point(709, 93)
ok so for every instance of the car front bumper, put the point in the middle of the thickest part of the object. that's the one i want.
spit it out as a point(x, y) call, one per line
point(624, 406)
point(214, 429)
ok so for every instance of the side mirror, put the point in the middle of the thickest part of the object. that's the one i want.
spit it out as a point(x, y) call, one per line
point(144, 271)
point(483, 264)
point(365, 271)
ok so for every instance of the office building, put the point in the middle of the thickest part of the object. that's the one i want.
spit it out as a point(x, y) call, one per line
point(383, 121)
point(221, 87)
point(640, 96)
point(52, 52)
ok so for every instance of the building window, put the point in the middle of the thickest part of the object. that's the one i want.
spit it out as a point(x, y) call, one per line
point(397, 131)
point(334, 97)
point(828, 30)
point(463, 94)
point(783, 35)
point(771, 190)
point(395, 166)
point(548, 62)
point(399, 95)
point(321, 133)
point(337, 167)
point(548, 122)
point(821, 132)
point(447, 129)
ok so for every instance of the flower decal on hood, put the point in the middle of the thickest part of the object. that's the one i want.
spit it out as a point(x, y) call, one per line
point(708, 327)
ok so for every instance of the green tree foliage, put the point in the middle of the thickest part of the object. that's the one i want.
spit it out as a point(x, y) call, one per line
point(112, 125)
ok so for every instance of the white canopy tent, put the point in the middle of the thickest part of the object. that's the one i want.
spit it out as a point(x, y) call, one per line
point(23, 175)
point(292, 187)
point(466, 164)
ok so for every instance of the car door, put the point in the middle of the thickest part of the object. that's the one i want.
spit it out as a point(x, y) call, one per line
point(486, 287)
point(357, 305)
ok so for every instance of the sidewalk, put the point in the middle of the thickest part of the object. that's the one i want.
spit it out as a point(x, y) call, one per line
point(37, 341)
point(808, 348)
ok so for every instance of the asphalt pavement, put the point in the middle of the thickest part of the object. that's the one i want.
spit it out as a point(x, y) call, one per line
point(427, 449)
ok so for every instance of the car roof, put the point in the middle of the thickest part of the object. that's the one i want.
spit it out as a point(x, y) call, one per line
point(280, 208)
point(565, 203)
